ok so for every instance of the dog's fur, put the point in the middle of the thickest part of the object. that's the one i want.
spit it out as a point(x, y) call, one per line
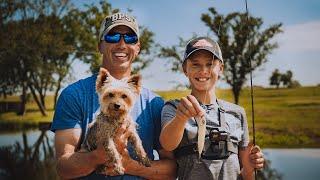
point(116, 98)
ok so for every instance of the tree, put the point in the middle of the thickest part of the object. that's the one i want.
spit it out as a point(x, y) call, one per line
point(36, 41)
point(286, 78)
point(294, 84)
point(16, 52)
point(240, 39)
point(175, 54)
point(175, 59)
point(7, 80)
point(275, 78)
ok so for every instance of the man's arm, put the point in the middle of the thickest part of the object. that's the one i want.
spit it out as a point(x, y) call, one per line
point(71, 164)
point(165, 168)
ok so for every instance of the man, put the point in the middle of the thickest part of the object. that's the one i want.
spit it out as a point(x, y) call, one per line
point(78, 104)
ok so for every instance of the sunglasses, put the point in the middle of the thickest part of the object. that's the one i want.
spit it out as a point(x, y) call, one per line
point(115, 38)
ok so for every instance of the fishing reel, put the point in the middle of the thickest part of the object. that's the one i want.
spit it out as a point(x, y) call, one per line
point(218, 148)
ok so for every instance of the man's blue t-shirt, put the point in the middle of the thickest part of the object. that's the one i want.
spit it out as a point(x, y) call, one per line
point(78, 105)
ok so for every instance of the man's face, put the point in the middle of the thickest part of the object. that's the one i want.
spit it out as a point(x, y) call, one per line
point(202, 70)
point(118, 57)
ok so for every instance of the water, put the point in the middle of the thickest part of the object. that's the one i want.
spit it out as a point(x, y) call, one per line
point(27, 155)
point(295, 164)
point(32, 136)
point(286, 164)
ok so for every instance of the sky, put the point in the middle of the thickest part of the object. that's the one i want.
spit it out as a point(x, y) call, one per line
point(299, 44)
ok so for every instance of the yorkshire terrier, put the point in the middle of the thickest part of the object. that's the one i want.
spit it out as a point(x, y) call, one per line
point(116, 98)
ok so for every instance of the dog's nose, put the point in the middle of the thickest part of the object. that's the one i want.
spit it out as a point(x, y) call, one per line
point(116, 106)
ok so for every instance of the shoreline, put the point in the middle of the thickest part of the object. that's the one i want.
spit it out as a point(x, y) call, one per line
point(17, 127)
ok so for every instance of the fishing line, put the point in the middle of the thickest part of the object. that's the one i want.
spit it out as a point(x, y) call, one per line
point(203, 117)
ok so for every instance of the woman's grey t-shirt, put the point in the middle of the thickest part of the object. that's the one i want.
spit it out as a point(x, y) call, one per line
point(191, 167)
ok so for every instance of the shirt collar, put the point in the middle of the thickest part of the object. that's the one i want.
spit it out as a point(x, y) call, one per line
point(208, 107)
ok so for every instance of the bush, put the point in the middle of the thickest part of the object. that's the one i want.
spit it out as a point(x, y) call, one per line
point(294, 84)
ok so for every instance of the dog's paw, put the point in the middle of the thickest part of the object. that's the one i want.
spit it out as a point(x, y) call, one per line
point(146, 161)
point(101, 169)
point(118, 170)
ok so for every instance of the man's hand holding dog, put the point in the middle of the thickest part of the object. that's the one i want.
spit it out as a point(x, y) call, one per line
point(121, 140)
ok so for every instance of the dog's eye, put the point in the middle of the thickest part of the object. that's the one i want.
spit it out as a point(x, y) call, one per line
point(110, 95)
point(124, 96)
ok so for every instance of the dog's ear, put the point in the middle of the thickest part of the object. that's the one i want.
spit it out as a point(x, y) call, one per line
point(103, 76)
point(135, 81)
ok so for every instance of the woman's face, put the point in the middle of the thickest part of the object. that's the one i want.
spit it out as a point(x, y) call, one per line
point(202, 70)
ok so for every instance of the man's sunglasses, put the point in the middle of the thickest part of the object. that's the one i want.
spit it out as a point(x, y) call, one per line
point(115, 38)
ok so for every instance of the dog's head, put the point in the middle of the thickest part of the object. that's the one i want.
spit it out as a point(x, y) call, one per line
point(117, 97)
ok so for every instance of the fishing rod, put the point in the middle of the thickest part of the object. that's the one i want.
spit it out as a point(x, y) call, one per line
point(251, 88)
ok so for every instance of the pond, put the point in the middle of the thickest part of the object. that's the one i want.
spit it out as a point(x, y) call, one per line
point(295, 163)
point(29, 155)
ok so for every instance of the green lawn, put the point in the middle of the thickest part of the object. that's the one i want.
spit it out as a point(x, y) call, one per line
point(10, 121)
point(283, 117)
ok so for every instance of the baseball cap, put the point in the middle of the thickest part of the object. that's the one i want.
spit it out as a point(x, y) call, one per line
point(118, 19)
point(203, 43)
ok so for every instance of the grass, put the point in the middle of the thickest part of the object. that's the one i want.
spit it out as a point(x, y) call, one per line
point(10, 121)
point(284, 118)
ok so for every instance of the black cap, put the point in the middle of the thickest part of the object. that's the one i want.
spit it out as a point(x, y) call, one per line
point(203, 43)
